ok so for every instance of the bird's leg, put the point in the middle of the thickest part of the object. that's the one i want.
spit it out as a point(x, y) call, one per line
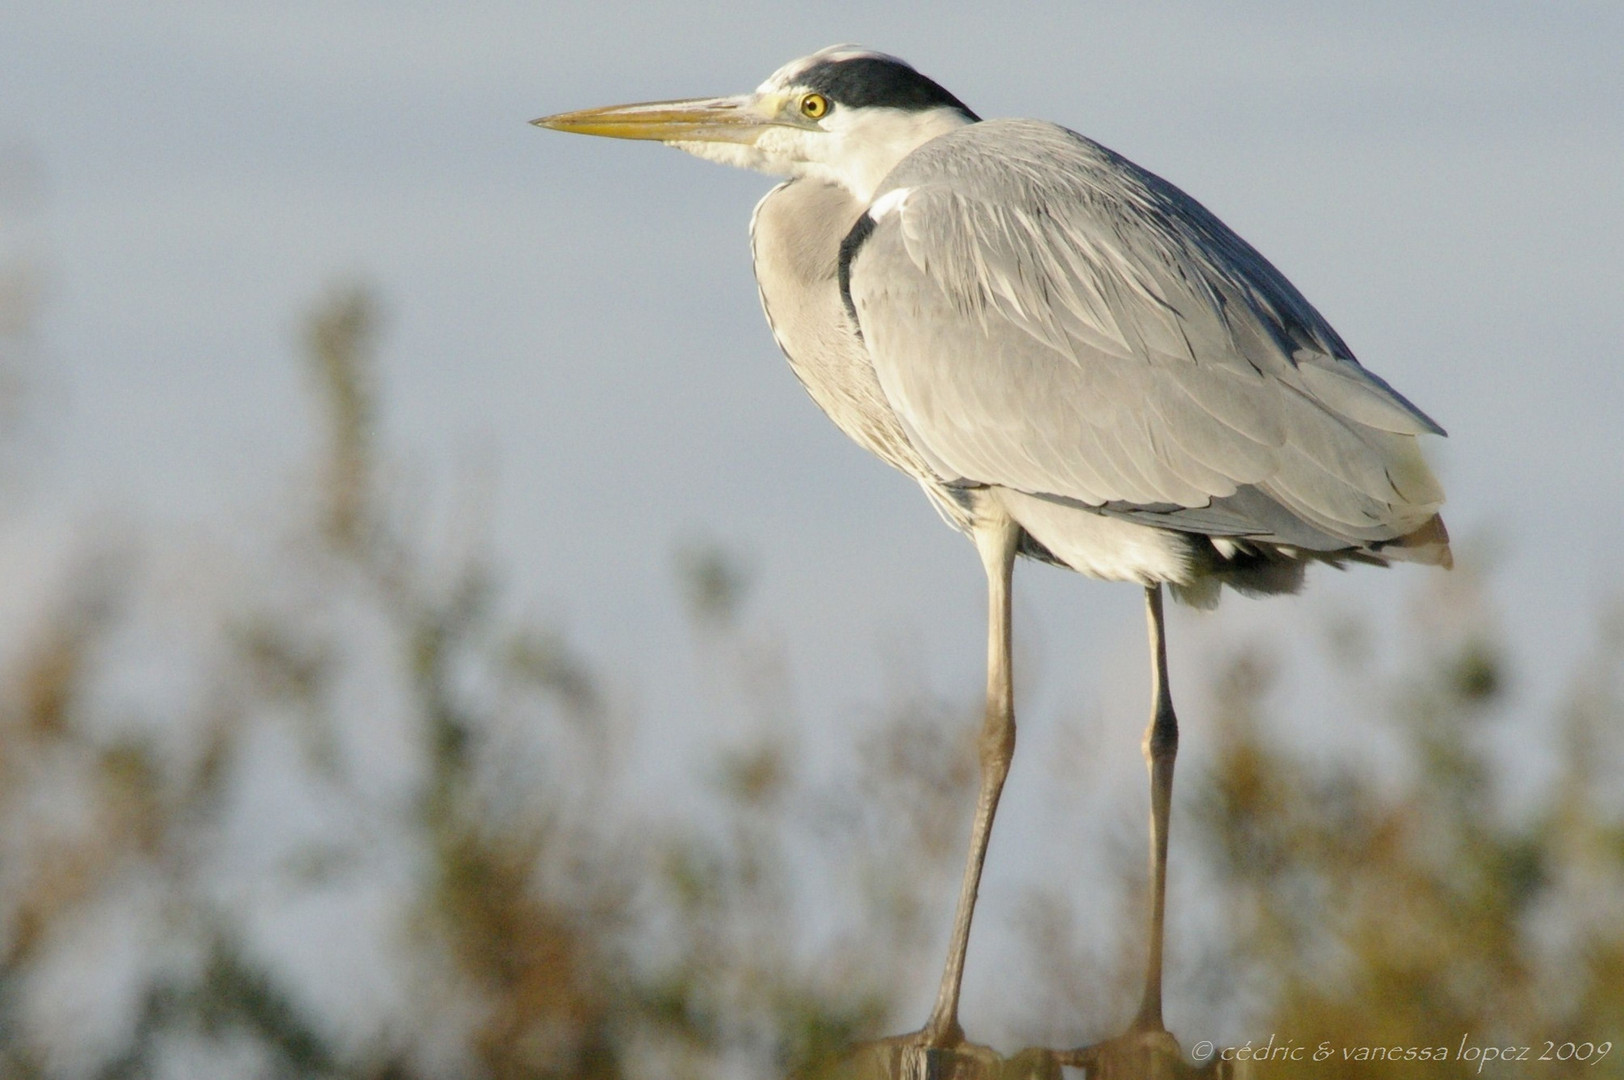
point(997, 543)
point(1161, 747)
point(1147, 1048)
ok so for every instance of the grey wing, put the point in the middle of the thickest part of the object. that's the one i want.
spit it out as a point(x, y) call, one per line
point(1044, 315)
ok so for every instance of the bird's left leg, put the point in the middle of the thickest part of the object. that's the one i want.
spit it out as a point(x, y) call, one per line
point(997, 541)
point(1161, 746)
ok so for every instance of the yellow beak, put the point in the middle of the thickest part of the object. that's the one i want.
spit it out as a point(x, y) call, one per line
point(725, 119)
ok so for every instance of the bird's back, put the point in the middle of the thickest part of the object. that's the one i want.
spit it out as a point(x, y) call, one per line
point(1019, 272)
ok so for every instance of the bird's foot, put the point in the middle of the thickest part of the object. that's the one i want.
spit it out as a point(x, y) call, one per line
point(1143, 1052)
point(916, 1057)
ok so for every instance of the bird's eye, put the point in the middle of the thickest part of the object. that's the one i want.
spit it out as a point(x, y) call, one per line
point(814, 106)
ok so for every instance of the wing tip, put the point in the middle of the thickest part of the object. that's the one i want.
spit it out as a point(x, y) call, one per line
point(1428, 545)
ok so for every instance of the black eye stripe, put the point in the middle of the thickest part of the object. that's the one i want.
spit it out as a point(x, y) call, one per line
point(872, 81)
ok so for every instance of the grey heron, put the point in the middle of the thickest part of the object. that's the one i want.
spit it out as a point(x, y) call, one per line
point(1076, 360)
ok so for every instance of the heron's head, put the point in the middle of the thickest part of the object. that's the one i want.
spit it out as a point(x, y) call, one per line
point(845, 115)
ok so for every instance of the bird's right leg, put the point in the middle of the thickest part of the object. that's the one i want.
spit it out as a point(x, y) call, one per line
point(996, 541)
point(1161, 748)
point(1147, 1048)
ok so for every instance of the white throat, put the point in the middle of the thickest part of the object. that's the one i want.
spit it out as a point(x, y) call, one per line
point(855, 149)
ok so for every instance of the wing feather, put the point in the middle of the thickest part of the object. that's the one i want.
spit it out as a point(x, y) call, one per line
point(1045, 316)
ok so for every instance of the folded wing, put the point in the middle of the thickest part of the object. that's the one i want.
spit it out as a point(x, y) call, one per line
point(1046, 316)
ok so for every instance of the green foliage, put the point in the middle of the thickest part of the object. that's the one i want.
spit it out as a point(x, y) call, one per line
point(577, 941)
point(1415, 911)
point(557, 931)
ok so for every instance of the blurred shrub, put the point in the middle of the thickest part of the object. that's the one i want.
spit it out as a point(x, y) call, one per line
point(357, 750)
point(1411, 911)
point(536, 927)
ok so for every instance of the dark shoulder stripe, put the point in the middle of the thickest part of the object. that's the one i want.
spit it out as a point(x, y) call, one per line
point(854, 240)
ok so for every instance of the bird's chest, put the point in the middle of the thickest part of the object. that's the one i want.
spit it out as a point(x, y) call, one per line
point(795, 240)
